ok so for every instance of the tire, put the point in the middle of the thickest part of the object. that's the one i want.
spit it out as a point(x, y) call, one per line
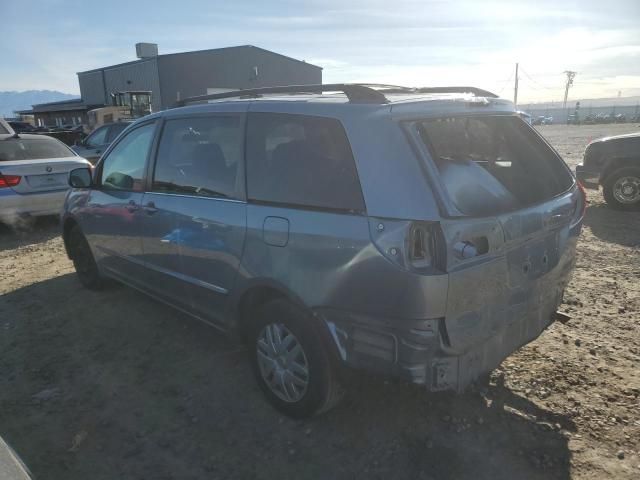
point(625, 177)
point(83, 260)
point(299, 345)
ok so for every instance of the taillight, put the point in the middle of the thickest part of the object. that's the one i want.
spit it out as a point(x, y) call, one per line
point(421, 246)
point(583, 207)
point(408, 244)
point(9, 180)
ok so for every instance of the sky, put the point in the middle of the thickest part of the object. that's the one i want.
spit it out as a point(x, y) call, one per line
point(402, 42)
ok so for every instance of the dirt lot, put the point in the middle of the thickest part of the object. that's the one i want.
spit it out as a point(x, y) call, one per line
point(112, 385)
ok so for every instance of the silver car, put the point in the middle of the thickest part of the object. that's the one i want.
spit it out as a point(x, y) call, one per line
point(34, 172)
point(420, 233)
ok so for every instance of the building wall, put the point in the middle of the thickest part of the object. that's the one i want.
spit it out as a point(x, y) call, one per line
point(92, 87)
point(96, 86)
point(137, 76)
point(65, 117)
point(190, 74)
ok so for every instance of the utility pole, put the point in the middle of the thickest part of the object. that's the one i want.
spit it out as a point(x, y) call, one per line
point(570, 76)
point(515, 89)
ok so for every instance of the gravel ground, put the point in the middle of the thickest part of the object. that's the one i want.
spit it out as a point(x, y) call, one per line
point(113, 385)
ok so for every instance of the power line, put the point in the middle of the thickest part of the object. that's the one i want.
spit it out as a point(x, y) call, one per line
point(535, 81)
point(505, 84)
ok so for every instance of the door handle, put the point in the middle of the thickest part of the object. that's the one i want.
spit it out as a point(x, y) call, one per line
point(132, 206)
point(150, 208)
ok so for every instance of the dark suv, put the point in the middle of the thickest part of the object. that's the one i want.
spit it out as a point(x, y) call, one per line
point(425, 234)
point(614, 163)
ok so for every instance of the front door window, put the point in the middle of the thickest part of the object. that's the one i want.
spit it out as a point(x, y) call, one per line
point(123, 168)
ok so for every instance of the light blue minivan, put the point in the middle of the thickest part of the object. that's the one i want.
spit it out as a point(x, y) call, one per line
point(420, 233)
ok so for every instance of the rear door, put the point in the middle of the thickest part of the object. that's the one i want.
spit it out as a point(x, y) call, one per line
point(195, 213)
point(512, 214)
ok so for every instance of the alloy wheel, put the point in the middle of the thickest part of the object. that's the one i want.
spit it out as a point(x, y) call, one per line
point(282, 362)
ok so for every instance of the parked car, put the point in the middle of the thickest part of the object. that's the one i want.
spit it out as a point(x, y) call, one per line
point(573, 119)
point(33, 176)
point(97, 142)
point(538, 120)
point(620, 118)
point(525, 116)
point(411, 234)
point(614, 163)
point(21, 127)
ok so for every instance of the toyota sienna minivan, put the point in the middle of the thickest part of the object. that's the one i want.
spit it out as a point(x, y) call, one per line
point(419, 233)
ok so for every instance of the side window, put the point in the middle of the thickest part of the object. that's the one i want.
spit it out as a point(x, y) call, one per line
point(98, 137)
point(115, 130)
point(123, 168)
point(301, 160)
point(200, 156)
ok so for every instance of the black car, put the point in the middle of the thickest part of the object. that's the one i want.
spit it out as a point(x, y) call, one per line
point(614, 163)
point(21, 127)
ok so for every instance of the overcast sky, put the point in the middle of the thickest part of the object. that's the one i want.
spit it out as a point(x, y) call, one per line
point(406, 42)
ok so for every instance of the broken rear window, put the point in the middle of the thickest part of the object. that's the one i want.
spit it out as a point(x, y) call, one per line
point(493, 164)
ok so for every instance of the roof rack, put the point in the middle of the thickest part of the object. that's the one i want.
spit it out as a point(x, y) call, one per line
point(355, 92)
point(477, 92)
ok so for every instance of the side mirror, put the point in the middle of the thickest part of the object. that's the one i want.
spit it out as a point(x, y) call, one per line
point(80, 178)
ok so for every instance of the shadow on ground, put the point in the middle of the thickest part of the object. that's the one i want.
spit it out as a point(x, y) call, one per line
point(110, 384)
point(613, 226)
point(40, 230)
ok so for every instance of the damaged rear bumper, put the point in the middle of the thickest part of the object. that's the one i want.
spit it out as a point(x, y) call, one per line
point(418, 351)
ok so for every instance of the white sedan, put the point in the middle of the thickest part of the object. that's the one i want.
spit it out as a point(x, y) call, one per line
point(34, 173)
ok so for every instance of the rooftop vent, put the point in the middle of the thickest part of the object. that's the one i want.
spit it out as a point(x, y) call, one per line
point(146, 50)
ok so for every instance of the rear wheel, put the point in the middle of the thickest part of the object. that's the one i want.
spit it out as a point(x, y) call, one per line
point(83, 260)
point(621, 189)
point(290, 360)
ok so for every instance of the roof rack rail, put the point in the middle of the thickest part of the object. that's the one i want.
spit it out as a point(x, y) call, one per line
point(355, 92)
point(478, 92)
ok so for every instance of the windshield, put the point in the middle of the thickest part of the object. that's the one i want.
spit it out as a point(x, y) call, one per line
point(32, 149)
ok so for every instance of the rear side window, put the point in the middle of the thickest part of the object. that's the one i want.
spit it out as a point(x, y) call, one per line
point(33, 149)
point(115, 130)
point(99, 137)
point(302, 161)
point(200, 156)
point(493, 164)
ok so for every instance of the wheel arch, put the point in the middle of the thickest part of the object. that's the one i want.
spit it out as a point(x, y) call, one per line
point(258, 292)
point(67, 224)
point(615, 164)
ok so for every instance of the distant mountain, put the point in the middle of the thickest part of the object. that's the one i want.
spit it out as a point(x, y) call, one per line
point(11, 101)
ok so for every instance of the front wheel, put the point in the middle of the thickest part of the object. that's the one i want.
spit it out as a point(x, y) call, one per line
point(291, 362)
point(621, 189)
point(83, 260)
